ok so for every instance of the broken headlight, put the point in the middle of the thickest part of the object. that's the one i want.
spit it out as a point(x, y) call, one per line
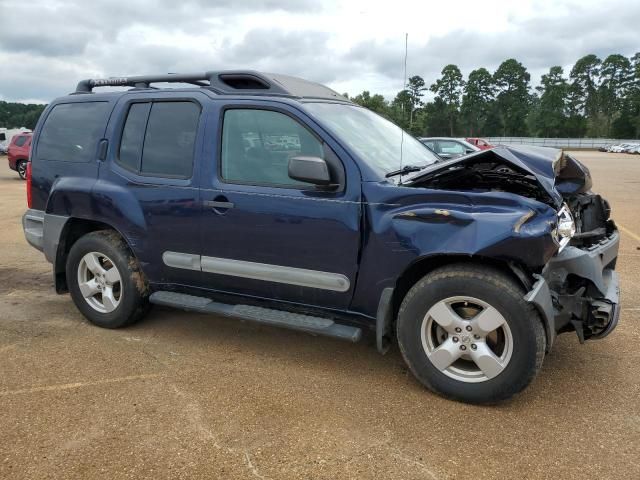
point(565, 228)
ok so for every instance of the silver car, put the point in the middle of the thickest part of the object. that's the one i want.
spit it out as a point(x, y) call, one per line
point(448, 148)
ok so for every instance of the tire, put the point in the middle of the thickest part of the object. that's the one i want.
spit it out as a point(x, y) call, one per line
point(106, 298)
point(446, 359)
point(21, 168)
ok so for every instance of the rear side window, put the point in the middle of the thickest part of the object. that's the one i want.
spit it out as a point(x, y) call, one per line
point(447, 146)
point(72, 131)
point(158, 139)
point(21, 140)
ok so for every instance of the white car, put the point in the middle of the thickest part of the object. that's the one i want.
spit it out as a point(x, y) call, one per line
point(635, 149)
point(619, 148)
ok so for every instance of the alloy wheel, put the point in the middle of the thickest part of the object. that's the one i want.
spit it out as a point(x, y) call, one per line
point(100, 282)
point(467, 339)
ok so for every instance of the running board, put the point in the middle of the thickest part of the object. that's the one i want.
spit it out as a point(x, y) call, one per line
point(267, 316)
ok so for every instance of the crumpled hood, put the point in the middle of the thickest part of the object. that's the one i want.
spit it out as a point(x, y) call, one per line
point(547, 165)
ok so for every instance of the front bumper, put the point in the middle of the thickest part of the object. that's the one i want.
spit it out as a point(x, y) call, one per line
point(578, 290)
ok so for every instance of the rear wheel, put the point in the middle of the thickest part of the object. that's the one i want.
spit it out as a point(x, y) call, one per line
point(21, 168)
point(467, 333)
point(105, 280)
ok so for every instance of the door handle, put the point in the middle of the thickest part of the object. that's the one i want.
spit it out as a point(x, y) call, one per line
point(219, 204)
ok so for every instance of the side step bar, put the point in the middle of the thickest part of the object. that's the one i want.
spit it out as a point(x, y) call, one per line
point(267, 316)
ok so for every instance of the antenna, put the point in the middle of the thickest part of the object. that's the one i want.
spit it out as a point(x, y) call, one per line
point(404, 80)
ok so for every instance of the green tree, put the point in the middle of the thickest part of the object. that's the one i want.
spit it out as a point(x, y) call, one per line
point(550, 113)
point(16, 115)
point(584, 81)
point(437, 118)
point(375, 103)
point(576, 124)
point(400, 109)
point(615, 80)
point(416, 88)
point(634, 95)
point(479, 94)
point(512, 101)
point(448, 88)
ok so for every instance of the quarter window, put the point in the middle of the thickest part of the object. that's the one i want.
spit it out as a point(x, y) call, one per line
point(257, 146)
point(133, 136)
point(72, 131)
point(158, 138)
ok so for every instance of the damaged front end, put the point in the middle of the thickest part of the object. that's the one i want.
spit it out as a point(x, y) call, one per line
point(577, 290)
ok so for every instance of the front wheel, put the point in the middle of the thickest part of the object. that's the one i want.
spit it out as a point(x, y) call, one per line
point(105, 280)
point(467, 333)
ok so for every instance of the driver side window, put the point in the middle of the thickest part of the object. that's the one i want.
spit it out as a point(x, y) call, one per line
point(257, 146)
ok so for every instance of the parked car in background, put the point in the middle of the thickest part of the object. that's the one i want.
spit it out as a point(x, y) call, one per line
point(630, 148)
point(18, 153)
point(634, 150)
point(3, 148)
point(449, 148)
point(620, 148)
point(481, 143)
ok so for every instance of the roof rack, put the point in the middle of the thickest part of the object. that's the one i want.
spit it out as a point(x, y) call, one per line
point(236, 82)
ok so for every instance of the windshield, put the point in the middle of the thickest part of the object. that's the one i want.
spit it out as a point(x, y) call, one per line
point(376, 140)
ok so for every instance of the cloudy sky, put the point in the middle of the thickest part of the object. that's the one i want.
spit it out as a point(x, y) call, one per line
point(46, 46)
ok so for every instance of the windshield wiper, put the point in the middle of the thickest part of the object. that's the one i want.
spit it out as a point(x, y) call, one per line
point(404, 170)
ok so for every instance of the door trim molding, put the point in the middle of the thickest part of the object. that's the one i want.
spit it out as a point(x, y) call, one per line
point(303, 277)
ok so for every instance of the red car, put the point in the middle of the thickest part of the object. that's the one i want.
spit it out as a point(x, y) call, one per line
point(18, 153)
point(481, 143)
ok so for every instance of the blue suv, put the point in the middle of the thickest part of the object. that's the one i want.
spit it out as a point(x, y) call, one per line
point(270, 198)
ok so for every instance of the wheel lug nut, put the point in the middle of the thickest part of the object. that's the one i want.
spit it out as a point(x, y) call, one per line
point(458, 329)
point(469, 328)
point(463, 347)
point(455, 339)
point(474, 346)
point(477, 337)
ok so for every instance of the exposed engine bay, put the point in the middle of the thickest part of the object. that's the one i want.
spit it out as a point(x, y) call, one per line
point(487, 176)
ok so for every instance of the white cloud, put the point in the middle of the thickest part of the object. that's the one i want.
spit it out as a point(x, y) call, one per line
point(49, 45)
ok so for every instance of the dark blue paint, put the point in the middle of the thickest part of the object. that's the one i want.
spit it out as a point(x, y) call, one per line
point(372, 231)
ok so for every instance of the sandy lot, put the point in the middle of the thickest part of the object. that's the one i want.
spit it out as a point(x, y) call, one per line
point(192, 396)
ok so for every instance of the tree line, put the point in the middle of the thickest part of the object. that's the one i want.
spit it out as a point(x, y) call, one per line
point(598, 98)
point(16, 115)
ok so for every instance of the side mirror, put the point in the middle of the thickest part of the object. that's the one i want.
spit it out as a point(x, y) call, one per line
point(310, 169)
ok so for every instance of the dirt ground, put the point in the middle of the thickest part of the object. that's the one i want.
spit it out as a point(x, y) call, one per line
point(192, 396)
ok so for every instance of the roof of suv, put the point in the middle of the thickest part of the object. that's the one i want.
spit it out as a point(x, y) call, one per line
point(228, 82)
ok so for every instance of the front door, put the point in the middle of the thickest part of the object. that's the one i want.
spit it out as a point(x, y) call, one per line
point(266, 235)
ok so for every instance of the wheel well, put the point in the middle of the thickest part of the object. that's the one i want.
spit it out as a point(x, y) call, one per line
point(422, 267)
point(74, 229)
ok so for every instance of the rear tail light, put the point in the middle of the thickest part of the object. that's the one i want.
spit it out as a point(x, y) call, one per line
point(29, 184)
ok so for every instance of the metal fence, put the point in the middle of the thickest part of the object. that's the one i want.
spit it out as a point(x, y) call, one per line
point(559, 142)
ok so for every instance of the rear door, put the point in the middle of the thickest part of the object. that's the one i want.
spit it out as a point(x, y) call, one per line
point(149, 183)
point(266, 235)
